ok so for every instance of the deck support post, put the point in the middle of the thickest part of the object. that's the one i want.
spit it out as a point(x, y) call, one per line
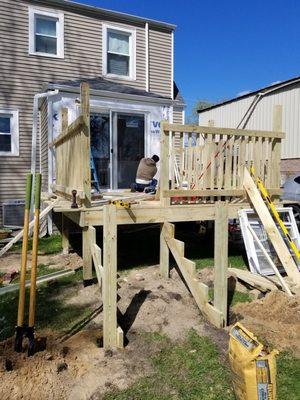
point(87, 257)
point(221, 259)
point(164, 254)
point(112, 334)
point(65, 234)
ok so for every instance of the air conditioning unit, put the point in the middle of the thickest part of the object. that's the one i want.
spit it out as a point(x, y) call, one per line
point(13, 213)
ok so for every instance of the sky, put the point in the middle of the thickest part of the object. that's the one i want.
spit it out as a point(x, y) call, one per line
point(225, 48)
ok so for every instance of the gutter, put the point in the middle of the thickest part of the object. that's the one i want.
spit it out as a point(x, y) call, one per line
point(114, 95)
point(104, 13)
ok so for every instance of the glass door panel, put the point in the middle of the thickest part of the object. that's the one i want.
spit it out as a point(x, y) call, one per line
point(130, 147)
point(100, 150)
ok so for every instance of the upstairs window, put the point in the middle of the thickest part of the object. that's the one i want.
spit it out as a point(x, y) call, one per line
point(119, 52)
point(9, 133)
point(46, 33)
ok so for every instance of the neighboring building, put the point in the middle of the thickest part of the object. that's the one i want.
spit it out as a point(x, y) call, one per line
point(54, 45)
point(230, 113)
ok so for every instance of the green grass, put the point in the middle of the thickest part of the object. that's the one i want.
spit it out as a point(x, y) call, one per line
point(52, 311)
point(288, 377)
point(47, 245)
point(42, 270)
point(191, 370)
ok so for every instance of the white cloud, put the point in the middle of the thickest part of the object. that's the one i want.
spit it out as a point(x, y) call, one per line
point(275, 83)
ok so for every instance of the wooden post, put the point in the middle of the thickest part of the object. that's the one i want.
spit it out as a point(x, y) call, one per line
point(65, 234)
point(164, 164)
point(87, 257)
point(221, 259)
point(276, 147)
point(112, 335)
point(86, 143)
point(164, 254)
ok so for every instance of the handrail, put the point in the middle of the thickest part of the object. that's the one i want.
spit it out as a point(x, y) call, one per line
point(74, 128)
point(208, 130)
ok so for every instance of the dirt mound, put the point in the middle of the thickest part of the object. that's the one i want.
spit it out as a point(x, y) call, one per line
point(276, 318)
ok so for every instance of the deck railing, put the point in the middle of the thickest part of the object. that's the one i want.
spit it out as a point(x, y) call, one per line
point(72, 153)
point(209, 161)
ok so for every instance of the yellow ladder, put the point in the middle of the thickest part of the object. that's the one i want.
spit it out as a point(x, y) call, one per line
point(275, 213)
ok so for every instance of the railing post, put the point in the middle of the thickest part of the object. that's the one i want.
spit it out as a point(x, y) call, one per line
point(276, 147)
point(86, 142)
point(221, 259)
point(164, 163)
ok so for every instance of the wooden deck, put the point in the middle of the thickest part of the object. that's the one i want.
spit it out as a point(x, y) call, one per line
point(200, 180)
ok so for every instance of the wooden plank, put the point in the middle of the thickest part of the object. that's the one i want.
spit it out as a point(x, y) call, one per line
point(276, 239)
point(208, 130)
point(86, 143)
point(221, 259)
point(276, 146)
point(65, 234)
point(198, 290)
point(110, 333)
point(215, 192)
point(255, 280)
point(164, 251)
point(73, 129)
point(86, 255)
point(64, 190)
point(164, 163)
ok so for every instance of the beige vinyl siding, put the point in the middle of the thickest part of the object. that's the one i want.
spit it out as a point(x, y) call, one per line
point(160, 62)
point(177, 119)
point(23, 75)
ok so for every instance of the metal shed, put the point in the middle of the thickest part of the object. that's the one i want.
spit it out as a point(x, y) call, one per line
point(258, 106)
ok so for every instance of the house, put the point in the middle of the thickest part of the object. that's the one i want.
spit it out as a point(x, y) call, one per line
point(254, 111)
point(47, 49)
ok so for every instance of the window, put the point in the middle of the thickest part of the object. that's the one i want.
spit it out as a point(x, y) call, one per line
point(46, 33)
point(118, 52)
point(9, 133)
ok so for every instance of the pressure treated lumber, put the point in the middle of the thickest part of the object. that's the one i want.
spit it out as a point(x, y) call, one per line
point(96, 255)
point(277, 241)
point(112, 335)
point(221, 259)
point(164, 253)
point(208, 130)
point(86, 255)
point(65, 235)
point(255, 280)
point(198, 290)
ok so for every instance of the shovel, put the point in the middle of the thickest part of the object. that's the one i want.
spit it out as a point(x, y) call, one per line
point(20, 330)
point(35, 242)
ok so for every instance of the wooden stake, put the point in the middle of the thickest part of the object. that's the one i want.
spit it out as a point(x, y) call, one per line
point(65, 234)
point(86, 256)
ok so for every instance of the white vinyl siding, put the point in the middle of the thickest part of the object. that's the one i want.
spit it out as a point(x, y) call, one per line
point(9, 133)
point(229, 115)
point(119, 52)
point(46, 33)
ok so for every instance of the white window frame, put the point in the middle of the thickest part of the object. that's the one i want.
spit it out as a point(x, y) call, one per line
point(132, 51)
point(35, 12)
point(14, 132)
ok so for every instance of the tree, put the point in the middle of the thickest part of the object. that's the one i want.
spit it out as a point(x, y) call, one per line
point(199, 105)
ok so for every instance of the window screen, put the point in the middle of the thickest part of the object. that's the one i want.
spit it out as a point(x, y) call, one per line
point(118, 53)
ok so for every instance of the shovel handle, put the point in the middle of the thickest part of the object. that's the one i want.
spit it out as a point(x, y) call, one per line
point(21, 305)
point(35, 243)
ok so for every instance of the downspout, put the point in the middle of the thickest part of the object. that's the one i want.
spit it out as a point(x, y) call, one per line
point(35, 116)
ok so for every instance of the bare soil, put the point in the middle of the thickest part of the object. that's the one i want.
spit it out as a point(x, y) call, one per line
point(12, 261)
point(274, 318)
point(78, 367)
